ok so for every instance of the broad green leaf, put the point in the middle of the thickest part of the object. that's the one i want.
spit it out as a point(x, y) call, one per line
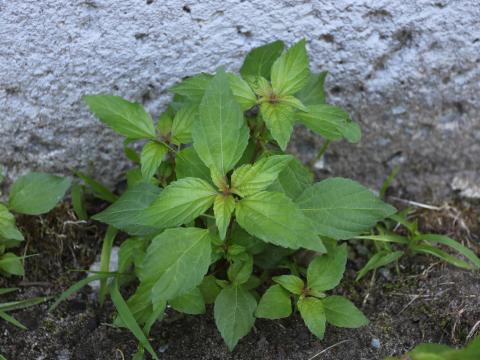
point(250, 179)
point(351, 131)
point(129, 320)
point(455, 245)
point(152, 156)
point(293, 102)
point(444, 352)
point(209, 289)
point(427, 249)
point(342, 208)
point(129, 152)
point(11, 264)
point(193, 87)
point(291, 283)
point(326, 120)
point(179, 203)
point(126, 118)
point(189, 164)
point(260, 86)
point(251, 244)
point(37, 193)
point(8, 229)
point(313, 314)
point(221, 135)
point(165, 121)
point(290, 71)
point(380, 259)
point(131, 252)
point(182, 124)
point(274, 304)
point(342, 312)
point(175, 262)
point(240, 268)
point(233, 312)
point(274, 218)
point(123, 213)
point(293, 180)
point(242, 92)
point(279, 120)
point(223, 207)
point(326, 271)
point(259, 61)
point(313, 93)
point(190, 303)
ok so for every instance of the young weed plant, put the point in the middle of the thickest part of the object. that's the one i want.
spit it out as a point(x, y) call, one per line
point(217, 210)
point(32, 194)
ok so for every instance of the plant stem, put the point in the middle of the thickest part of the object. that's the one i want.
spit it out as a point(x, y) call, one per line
point(320, 153)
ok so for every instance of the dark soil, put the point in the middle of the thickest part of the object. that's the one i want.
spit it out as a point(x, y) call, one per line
point(427, 301)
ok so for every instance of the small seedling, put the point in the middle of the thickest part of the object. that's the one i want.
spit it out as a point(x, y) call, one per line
point(32, 194)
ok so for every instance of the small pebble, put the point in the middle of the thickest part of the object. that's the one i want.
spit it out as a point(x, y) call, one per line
point(163, 348)
point(376, 343)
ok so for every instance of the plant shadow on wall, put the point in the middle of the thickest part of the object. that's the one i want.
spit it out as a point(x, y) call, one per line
point(217, 212)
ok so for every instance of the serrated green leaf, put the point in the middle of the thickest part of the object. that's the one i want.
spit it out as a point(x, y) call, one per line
point(242, 92)
point(210, 289)
point(342, 208)
point(380, 259)
point(126, 118)
point(179, 203)
point(189, 164)
point(313, 314)
point(221, 135)
point(182, 124)
point(290, 71)
point(11, 264)
point(274, 218)
point(274, 304)
point(293, 102)
point(123, 213)
point(291, 283)
point(131, 252)
point(152, 156)
point(192, 87)
point(241, 268)
point(279, 120)
point(223, 207)
point(341, 312)
point(293, 180)
point(250, 179)
point(260, 86)
point(313, 93)
point(325, 272)
point(176, 262)
point(8, 229)
point(326, 120)
point(99, 190)
point(37, 193)
point(165, 121)
point(259, 61)
point(190, 303)
point(233, 312)
point(251, 244)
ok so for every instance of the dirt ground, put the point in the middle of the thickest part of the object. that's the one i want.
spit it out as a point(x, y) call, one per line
point(427, 301)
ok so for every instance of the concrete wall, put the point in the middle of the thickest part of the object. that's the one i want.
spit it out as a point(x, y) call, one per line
point(408, 70)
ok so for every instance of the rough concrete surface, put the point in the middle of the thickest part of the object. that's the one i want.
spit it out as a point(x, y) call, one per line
point(408, 70)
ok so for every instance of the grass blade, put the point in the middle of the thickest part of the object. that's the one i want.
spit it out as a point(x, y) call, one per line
point(427, 249)
point(4, 291)
point(381, 258)
point(105, 260)
point(77, 286)
point(78, 201)
point(99, 190)
point(22, 304)
point(445, 240)
point(384, 238)
point(12, 320)
point(128, 319)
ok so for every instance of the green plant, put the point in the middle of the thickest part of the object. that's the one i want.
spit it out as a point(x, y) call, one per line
point(443, 352)
point(385, 234)
point(32, 194)
point(216, 210)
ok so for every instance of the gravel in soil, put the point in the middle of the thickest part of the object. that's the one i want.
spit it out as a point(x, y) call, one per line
point(427, 301)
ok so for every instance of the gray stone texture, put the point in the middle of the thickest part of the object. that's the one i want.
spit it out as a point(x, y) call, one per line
point(407, 70)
